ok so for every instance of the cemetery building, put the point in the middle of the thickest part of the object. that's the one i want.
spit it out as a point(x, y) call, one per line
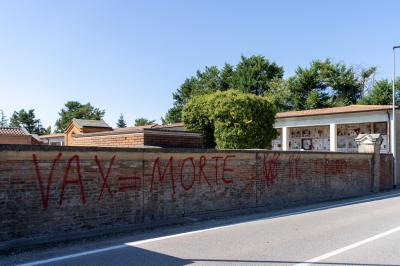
point(97, 133)
point(333, 129)
point(56, 139)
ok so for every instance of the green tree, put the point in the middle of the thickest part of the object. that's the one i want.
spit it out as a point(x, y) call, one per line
point(279, 95)
point(74, 109)
point(121, 122)
point(197, 117)
point(28, 120)
point(343, 82)
point(253, 74)
point(45, 131)
point(203, 82)
point(143, 121)
point(174, 115)
point(367, 78)
point(234, 120)
point(3, 119)
point(226, 77)
point(305, 81)
point(381, 93)
point(326, 84)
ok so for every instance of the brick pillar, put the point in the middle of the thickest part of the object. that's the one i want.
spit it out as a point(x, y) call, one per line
point(371, 143)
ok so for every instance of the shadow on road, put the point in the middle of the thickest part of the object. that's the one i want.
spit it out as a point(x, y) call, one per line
point(277, 262)
point(131, 256)
point(139, 256)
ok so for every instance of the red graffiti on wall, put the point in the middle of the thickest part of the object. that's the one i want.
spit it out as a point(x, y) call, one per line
point(161, 177)
point(330, 167)
point(78, 181)
point(189, 170)
point(193, 173)
point(226, 169)
point(105, 184)
point(129, 185)
point(216, 158)
point(187, 165)
point(319, 167)
point(202, 164)
point(45, 193)
point(294, 166)
point(270, 168)
point(337, 167)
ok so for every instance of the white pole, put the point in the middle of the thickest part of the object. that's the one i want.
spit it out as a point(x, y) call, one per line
point(333, 136)
point(394, 136)
point(285, 138)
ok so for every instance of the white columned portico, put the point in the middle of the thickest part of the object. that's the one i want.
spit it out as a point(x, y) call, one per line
point(333, 136)
point(285, 138)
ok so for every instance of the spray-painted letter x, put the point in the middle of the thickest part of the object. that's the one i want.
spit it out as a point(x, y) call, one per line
point(105, 183)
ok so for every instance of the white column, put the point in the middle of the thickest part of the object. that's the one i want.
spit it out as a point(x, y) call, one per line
point(392, 133)
point(333, 136)
point(285, 138)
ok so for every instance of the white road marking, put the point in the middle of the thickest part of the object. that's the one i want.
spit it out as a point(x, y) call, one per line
point(349, 247)
point(136, 243)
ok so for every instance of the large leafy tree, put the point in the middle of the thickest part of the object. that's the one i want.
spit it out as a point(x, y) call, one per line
point(174, 115)
point(252, 74)
point(143, 121)
point(307, 87)
point(202, 83)
point(381, 93)
point(74, 109)
point(231, 119)
point(326, 84)
point(279, 95)
point(28, 120)
point(197, 117)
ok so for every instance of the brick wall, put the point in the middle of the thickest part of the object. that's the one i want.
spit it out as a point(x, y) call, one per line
point(164, 139)
point(52, 192)
point(171, 139)
point(122, 140)
point(386, 171)
point(26, 139)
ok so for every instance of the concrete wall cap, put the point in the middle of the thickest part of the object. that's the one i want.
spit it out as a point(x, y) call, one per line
point(368, 139)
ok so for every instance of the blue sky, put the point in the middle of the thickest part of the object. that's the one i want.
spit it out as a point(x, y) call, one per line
point(129, 56)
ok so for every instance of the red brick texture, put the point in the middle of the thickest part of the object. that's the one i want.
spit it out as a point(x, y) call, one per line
point(145, 138)
point(49, 192)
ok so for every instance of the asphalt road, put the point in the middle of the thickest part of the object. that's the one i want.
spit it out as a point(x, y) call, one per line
point(363, 231)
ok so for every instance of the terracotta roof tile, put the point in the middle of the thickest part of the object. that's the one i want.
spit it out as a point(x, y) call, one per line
point(334, 110)
point(13, 131)
point(90, 123)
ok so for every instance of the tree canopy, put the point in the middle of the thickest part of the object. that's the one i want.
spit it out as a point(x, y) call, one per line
point(322, 84)
point(251, 75)
point(327, 84)
point(144, 121)
point(28, 120)
point(74, 109)
point(381, 93)
point(231, 119)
